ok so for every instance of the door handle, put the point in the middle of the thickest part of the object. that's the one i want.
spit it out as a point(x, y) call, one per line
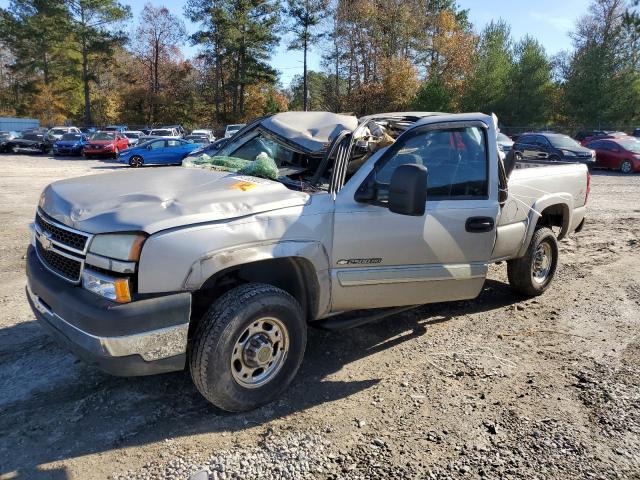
point(479, 224)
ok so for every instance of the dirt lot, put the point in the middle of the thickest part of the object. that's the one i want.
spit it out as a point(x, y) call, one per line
point(498, 387)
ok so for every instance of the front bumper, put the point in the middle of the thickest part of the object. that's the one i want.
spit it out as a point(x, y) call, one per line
point(67, 150)
point(143, 337)
point(101, 152)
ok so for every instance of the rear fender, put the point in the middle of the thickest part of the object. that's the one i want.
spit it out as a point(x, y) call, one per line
point(563, 201)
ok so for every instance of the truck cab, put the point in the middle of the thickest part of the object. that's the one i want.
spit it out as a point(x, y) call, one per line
point(221, 264)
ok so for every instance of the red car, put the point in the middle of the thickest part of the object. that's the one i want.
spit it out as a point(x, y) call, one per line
point(621, 153)
point(105, 144)
point(606, 135)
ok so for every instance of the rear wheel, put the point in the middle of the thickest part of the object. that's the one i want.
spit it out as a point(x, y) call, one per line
point(626, 166)
point(248, 347)
point(532, 274)
point(136, 161)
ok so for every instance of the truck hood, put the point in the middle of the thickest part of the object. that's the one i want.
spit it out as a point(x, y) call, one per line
point(151, 200)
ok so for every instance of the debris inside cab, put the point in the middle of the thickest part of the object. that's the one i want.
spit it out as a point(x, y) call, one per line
point(263, 166)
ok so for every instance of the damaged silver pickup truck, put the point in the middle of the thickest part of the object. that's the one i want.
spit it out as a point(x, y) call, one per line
point(215, 267)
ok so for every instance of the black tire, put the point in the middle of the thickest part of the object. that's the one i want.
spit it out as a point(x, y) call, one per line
point(521, 270)
point(626, 167)
point(116, 151)
point(554, 158)
point(136, 161)
point(219, 333)
point(518, 156)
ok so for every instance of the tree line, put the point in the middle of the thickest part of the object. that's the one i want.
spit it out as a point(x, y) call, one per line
point(90, 62)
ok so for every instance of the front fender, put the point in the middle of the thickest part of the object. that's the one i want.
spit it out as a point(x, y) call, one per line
point(216, 261)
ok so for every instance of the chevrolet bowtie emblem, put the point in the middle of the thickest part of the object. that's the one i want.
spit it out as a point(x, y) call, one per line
point(45, 240)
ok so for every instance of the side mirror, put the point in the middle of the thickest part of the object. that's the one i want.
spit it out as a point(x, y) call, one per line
point(408, 190)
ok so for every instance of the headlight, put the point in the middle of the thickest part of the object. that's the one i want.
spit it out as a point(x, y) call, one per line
point(568, 153)
point(108, 147)
point(121, 246)
point(116, 289)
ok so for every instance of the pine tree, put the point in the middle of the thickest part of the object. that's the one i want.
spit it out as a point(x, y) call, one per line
point(90, 21)
point(305, 18)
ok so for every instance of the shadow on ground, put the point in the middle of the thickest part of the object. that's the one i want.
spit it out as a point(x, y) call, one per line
point(66, 409)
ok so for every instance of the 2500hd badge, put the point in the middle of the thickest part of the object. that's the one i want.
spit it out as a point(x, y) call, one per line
point(359, 261)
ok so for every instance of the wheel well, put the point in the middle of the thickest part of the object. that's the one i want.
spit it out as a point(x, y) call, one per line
point(294, 275)
point(555, 216)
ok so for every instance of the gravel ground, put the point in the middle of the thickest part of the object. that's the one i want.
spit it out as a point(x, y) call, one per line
point(497, 387)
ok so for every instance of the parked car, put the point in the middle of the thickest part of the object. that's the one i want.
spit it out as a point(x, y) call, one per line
point(56, 133)
point(134, 136)
point(159, 151)
point(116, 128)
point(88, 130)
point(504, 143)
point(106, 144)
point(231, 130)
point(553, 147)
point(617, 154)
point(198, 139)
point(32, 141)
point(584, 134)
point(209, 149)
point(611, 134)
point(222, 272)
point(178, 128)
point(205, 133)
point(70, 144)
point(164, 133)
point(6, 136)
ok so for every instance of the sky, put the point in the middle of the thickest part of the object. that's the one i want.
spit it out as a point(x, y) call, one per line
point(547, 20)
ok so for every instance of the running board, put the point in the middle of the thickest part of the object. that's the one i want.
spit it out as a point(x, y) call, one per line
point(348, 321)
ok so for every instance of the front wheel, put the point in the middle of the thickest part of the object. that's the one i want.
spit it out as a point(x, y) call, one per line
point(626, 166)
point(248, 347)
point(532, 274)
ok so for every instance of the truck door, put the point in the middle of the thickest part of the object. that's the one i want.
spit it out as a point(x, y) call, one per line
point(380, 258)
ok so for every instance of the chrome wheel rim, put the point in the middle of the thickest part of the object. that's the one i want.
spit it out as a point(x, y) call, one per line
point(542, 261)
point(626, 167)
point(259, 352)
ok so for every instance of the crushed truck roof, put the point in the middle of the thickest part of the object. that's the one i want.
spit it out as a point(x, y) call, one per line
point(311, 131)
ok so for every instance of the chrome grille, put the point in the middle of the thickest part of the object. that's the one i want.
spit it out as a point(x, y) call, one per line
point(64, 266)
point(61, 249)
point(65, 236)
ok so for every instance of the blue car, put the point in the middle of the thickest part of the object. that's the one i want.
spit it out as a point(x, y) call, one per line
point(159, 151)
point(70, 144)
